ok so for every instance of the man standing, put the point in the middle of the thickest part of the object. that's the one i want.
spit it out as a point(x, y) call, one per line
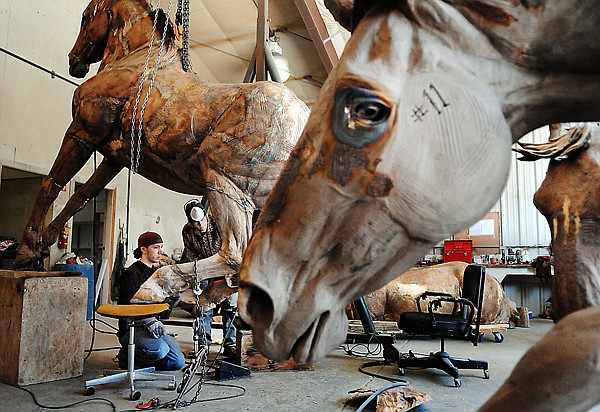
point(201, 239)
point(152, 346)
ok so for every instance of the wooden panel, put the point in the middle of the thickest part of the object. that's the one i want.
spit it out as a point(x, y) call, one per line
point(18, 274)
point(43, 332)
point(11, 309)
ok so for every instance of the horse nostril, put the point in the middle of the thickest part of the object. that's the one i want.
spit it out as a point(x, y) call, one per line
point(259, 307)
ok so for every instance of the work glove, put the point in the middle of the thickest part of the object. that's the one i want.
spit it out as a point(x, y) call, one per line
point(154, 327)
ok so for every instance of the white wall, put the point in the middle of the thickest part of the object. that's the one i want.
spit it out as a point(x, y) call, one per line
point(522, 224)
point(35, 111)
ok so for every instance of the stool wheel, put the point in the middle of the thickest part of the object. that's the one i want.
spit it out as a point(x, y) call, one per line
point(135, 395)
point(89, 390)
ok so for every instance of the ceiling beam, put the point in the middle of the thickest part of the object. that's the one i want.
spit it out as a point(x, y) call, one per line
point(318, 32)
point(262, 27)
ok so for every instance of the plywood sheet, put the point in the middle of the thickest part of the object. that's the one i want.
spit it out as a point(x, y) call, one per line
point(43, 328)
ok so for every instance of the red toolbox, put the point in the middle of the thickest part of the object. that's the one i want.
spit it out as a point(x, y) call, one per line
point(458, 250)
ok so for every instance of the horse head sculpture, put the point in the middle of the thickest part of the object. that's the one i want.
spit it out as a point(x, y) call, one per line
point(408, 143)
point(568, 199)
point(111, 29)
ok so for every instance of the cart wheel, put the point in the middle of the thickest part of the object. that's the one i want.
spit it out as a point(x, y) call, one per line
point(390, 353)
point(401, 371)
point(89, 390)
point(135, 395)
point(457, 383)
point(171, 386)
point(486, 374)
point(498, 337)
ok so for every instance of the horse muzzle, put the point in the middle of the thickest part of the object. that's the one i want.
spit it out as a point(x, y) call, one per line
point(76, 68)
point(304, 334)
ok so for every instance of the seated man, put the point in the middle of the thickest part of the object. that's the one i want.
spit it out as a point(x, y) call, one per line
point(152, 346)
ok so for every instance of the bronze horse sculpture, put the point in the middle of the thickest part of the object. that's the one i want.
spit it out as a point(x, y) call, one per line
point(228, 141)
point(408, 143)
point(400, 295)
point(569, 198)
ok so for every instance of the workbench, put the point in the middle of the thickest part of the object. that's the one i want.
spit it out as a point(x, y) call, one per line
point(42, 326)
point(521, 285)
point(501, 271)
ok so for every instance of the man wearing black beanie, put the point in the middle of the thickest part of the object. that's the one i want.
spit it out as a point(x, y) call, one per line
point(152, 346)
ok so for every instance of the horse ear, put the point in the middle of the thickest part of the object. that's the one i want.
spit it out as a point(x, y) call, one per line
point(342, 11)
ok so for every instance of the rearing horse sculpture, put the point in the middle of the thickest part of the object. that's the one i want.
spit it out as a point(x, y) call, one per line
point(228, 141)
point(408, 143)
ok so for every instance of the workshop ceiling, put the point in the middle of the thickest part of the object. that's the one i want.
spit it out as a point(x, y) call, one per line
point(223, 39)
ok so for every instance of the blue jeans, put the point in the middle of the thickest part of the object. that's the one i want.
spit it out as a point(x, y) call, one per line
point(163, 353)
point(228, 309)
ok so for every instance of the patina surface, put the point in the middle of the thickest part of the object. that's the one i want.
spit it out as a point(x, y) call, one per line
point(400, 295)
point(228, 141)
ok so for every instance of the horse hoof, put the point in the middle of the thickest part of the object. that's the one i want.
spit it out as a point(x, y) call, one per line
point(29, 265)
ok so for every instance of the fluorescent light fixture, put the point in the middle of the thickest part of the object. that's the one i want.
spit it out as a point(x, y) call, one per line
point(283, 66)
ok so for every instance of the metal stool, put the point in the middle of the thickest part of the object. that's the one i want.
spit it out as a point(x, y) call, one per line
point(130, 313)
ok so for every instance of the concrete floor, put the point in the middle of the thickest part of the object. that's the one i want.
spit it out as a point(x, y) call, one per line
point(323, 389)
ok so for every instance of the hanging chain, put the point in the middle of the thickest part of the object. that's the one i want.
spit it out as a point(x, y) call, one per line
point(186, 35)
point(136, 141)
point(200, 354)
point(182, 23)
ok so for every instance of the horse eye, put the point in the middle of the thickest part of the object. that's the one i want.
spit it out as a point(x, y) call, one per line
point(359, 117)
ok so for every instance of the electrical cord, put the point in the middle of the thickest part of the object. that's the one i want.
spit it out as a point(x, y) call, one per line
point(362, 369)
point(377, 392)
point(171, 402)
point(368, 352)
point(104, 400)
point(92, 323)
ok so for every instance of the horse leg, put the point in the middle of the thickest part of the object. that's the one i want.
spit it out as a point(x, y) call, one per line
point(232, 210)
point(72, 156)
point(172, 280)
point(105, 172)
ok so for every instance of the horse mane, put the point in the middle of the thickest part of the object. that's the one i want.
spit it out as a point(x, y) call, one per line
point(560, 146)
point(163, 20)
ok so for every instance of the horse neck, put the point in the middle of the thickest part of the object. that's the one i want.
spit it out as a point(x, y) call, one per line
point(552, 98)
point(536, 81)
point(130, 33)
point(529, 96)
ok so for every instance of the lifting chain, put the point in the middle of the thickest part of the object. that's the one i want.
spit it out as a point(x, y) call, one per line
point(182, 19)
point(136, 137)
point(200, 353)
point(245, 203)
